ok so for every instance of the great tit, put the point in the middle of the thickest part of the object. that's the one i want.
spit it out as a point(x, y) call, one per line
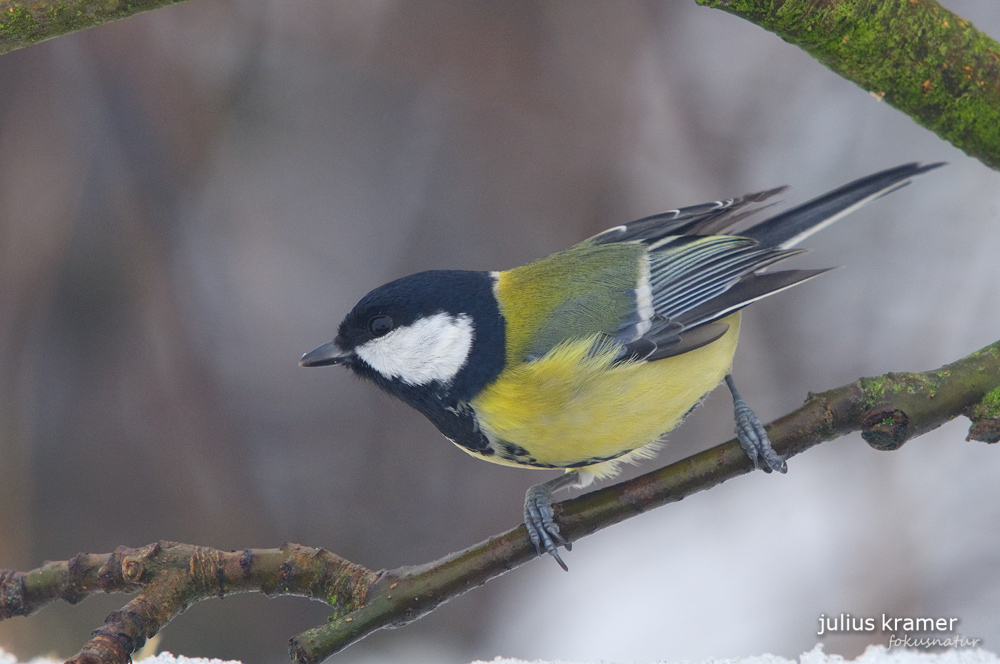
point(584, 359)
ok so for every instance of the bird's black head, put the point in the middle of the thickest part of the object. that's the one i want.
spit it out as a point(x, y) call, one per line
point(433, 335)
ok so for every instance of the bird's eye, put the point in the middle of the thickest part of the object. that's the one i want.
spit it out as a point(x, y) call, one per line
point(379, 326)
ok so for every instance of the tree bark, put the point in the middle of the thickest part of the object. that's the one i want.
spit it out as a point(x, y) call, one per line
point(26, 23)
point(915, 55)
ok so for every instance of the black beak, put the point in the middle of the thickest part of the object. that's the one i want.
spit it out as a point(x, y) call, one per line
point(326, 355)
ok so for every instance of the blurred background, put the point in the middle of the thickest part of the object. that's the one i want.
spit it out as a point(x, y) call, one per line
point(192, 198)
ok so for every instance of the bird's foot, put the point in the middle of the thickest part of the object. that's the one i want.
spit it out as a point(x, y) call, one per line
point(539, 518)
point(752, 437)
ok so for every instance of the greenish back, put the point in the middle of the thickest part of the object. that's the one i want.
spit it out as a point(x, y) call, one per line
point(584, 290)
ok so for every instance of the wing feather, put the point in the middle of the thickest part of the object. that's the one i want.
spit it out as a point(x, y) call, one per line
point(704, 219)
point(685, 276)
point(695, 271)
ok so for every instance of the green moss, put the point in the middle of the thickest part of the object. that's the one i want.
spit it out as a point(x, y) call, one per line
point(919, 57)
point(985, 416)
point(991, 403)
point(993, 350)
point(22, 24)
point(17, 23)
point(872, 390)
point(912, 383)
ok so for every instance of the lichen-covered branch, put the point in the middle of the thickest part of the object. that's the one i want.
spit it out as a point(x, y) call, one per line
point(888, 410)
point(916, 55)
point(26, 23)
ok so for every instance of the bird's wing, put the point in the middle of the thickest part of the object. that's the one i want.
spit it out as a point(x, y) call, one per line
point(691, 274)
point(693, 282)
point(652, 300)
point(704, 219)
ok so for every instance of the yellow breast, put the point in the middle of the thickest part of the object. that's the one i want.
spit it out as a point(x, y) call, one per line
point(574, 406)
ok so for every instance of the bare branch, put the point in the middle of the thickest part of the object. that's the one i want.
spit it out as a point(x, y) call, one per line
point(172, 576)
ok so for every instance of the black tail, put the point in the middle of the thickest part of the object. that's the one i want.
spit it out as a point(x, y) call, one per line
point(791, 227)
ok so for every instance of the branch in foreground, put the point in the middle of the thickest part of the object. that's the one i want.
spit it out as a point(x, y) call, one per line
point(888, 410)
point(924, 60)
point(26, 23)
point(170, 577)
point(921, 58)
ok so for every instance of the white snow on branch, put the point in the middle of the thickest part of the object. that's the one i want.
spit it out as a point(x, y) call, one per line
point(873, 655)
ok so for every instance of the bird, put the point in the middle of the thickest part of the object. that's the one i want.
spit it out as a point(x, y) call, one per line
point(585, 359)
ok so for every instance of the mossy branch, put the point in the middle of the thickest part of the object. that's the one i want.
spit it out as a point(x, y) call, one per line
point(26, 23)
point(916, 55)
point(888, 410)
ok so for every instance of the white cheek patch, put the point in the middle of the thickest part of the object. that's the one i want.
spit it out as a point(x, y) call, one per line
point(431, 349)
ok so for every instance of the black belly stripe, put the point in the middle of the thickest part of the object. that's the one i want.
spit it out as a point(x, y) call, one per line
point(522, 457)
point(515, 451)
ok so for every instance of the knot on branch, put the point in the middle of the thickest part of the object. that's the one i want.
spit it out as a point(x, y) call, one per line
point(12, 594)
point(126, 567)
point(985, 417)
point(886, 430)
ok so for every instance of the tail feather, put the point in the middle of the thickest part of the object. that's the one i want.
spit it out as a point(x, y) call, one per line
point(696, 280)
point(749, 289)
point(791, 227)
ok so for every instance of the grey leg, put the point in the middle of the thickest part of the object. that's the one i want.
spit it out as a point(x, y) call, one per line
point(539, 517)
point(753, 439)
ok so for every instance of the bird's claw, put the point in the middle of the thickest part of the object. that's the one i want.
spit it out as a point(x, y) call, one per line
point(752, 437)
point(539, 518)
point(754, 441)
